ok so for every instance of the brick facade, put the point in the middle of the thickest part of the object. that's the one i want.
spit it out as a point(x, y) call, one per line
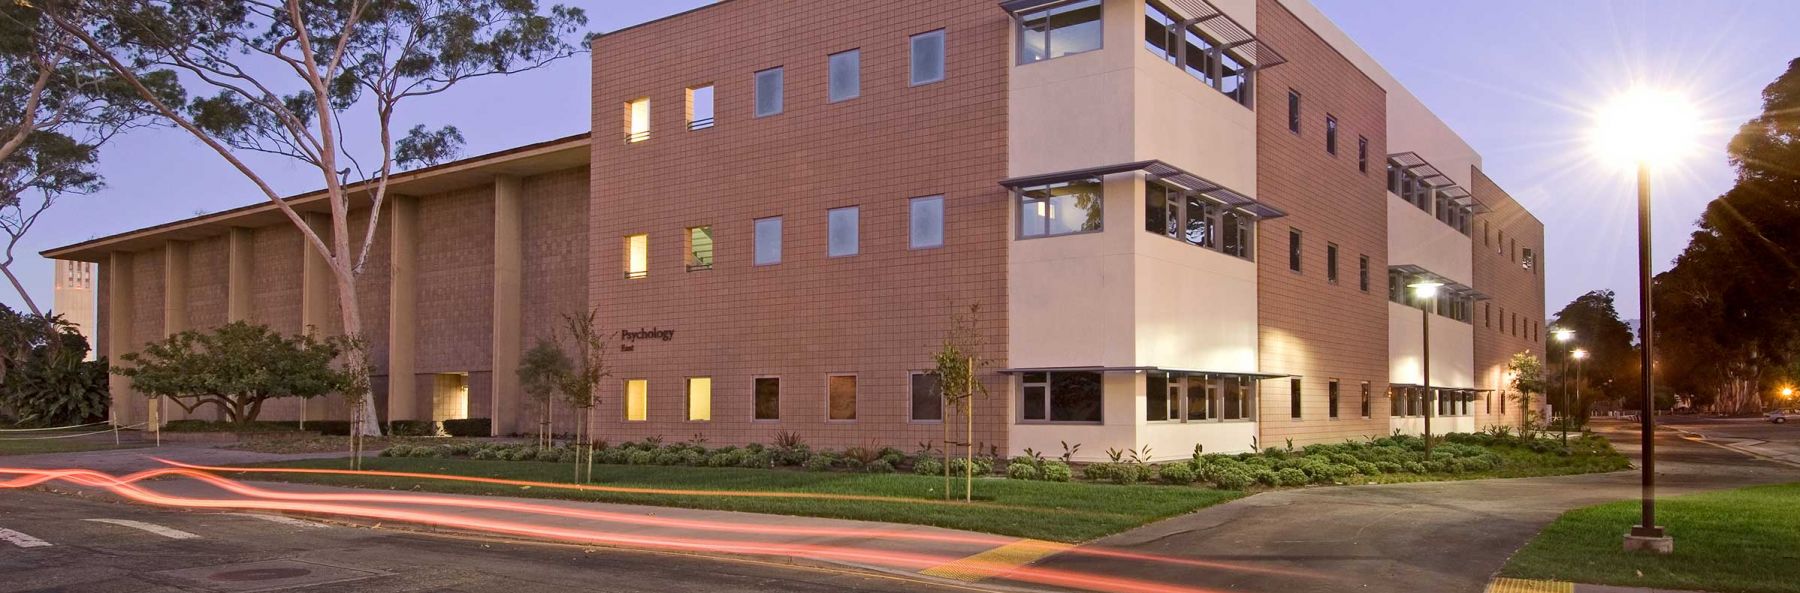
point(1502, 232)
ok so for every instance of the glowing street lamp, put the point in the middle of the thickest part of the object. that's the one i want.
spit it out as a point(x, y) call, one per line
point(1563, 335)
point(1646, 127)
point(1426, 290)
point(1787, 393)
point(1579, 355)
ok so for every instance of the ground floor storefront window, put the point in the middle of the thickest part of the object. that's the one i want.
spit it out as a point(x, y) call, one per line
point(1061, 396)
point(1197, 397)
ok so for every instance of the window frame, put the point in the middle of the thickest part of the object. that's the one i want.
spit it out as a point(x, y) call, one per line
point(912, 401)
point(1048, 10)
point(632, 272)
point(831, 224)
point(626, 399)
point(912, 215)
point(756, 227)
point(701, 123)
point(633, 135)
point(1331, 263)
point(912, 63)
point(754, 404)
point(855, 398)
point(780, 96)
point(1296, 250)
point(1334, 398)
point(1294, 111)
point(1362, 272)
point(688, 401)
point(691, 258)
point(1331, 134)
point(1020, 199)
point(1362, 154)
point(1050, 399)
point(1296, 395)
point(831, 64)
point(1368, 395)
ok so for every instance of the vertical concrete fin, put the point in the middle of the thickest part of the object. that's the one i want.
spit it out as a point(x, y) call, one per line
point(127, 408)
point(241, 255)
point(508, 296)
point(403, 232)
point(316, 295)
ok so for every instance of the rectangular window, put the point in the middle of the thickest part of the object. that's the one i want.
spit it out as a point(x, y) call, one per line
point(846, 75)
point(768, 92)
point(928, 57)
point(1362, 154)
point(1362, 272)
point(1294, 398)
point(1529, 262)
point(700, 107)
point(1294, 249)
point(699, 248)
point(1185, 45)
point(1394, 405)
point(843, 231)
point(1063, 29)
point(927, 398)
point(1073, 396)
point(1158, 395)
point(1060, 209)
point(1331, 261)
point(1162, 33)
point(637, 120)
point(699, 399)
point(1331, 134)
point(768, 241)
point(768, 399)
point(1366, 392)
point(843, 397)
point(1331, 394)
point(927, 224)
point(1293, 111)
point(637, 256)
point(637, 400)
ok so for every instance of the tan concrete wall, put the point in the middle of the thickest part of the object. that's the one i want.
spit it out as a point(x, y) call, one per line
point(554, 277)
point(878, 314)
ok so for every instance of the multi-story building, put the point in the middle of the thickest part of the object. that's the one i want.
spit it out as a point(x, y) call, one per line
point(1162, 223)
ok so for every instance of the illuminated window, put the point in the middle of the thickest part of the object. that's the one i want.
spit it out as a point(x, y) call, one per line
point(637, 256)
point(637, 400)
point(768, 398)
point(700, 107)
point(637, 120)
point(843, 397)
point(845, 69)
point(699, 398)
point(699, 248)
point(1061, 208)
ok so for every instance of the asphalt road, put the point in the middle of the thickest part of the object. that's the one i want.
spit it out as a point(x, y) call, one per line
point(1737, 428)
point(56, 542)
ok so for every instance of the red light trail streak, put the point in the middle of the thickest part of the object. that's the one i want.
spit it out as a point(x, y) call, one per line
point(330, 504)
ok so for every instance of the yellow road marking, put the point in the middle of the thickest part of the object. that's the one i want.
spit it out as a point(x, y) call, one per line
point(996, 561)
point(1529, 586)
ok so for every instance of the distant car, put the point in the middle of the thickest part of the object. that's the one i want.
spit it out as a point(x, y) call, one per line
point(1781, 416)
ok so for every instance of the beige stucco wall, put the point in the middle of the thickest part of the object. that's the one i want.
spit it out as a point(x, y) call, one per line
point(1452, 349)
point(1417, 238)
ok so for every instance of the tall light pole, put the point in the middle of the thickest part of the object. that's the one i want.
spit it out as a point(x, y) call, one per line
point(1579, 355)
point(1426, 290)
point(1646, 127)
point(1563, 336)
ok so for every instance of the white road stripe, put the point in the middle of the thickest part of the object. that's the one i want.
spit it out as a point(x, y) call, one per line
point(21, 540)
point(284, 520)
point(150, 527)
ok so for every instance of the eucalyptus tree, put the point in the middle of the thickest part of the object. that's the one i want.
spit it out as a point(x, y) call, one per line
point(291, 78)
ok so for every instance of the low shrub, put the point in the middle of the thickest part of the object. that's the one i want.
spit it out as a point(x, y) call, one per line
point(1018, 470)
point(397, 451)
point(1099, 472)
point(928, 467)
point(1291, 477)
point(817, 463)
point(1176, 473)
point(468, 427)
point(1056, 471)
point(879, 466)
point(549, 454)
point(641, 457)
point(1232, 479)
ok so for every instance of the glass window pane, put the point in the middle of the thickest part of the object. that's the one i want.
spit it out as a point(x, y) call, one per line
point(768, 92)
point(700, 248)
point(700, 107)
point(1032, 408)
point(927, 397)
point(768, 398)
point(1156, 397)
point(846, 75)
point(843, 398)
point(1156, 199)
point(1034, 210)
point(1158, 32)
point(1199, 397)
point(928, 57)
point(1074, 207)
point(637, 256)
point(928, 222)
point(1075, 28)
point(637, 400)
point(842, 232)
point(699, 398)
point(768, 241)
point(1034, 38)
point(1075, 397)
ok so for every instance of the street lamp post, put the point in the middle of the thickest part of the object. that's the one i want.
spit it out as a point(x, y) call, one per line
point(1579, 355)
point(1647, 535)
point(1563, 335)
point(1427, 291)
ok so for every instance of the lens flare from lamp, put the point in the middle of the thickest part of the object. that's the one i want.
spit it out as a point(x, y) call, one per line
point(1646, 125)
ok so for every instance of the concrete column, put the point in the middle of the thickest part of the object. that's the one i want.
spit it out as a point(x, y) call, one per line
point(508, 296)
point(127, 408)
point(241, 253)
point(403, 231)
point(175, 306)
point(316, 290)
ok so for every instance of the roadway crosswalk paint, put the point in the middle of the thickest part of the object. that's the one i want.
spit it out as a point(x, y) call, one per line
point(284, 520)
point(148, 527)
point(21, 540)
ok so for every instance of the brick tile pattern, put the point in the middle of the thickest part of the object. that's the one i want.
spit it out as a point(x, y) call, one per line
point(1516, 291)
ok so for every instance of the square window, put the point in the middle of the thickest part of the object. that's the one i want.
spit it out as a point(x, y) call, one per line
point(842, 397)
point(843, 230)
point(768, 241)
point(699, 248)
point(768, 398)
point(637, 120)
point(846, 75)
point(927, 225)
point(1061, 208)
point(637, 256)
point(768, 92)
point(928, 57)
point(637, 400)
point(699, 399)
point(927, 398)
point(700, 107)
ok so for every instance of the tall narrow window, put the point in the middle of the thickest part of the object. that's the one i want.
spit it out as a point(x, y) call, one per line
point(928, 57)
point(1063, 29)
point(1362, 272)
point(768, 241)
point(1331, 261)
point(927, 398)
point(846, 75)
point(637, 120)
point(768, 92)
point(637, 400)
point(699, 399)
point(700, 107)
point(1366, 409)
point(927, 225)
point(1293, 111)
point(1162, 33)
point(843, 397)
point(1294, 398)
point(1331, 393)
point(768, 399)
point(1294, 249)
point(1362, 154)
point(699, 248)
point(843, 232)
point(1157, 391)
point(637, 256)
point(1331, 135)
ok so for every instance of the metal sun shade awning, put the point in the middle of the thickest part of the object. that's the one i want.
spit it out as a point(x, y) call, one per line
point(1458, 289)
point(1417, 165)
point(1440, 387)
point(1232, 36)
point(1159, 171)
point(1138, 369)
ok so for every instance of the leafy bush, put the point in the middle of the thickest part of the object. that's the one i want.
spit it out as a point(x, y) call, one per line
point(1232, 479)
point(397, 451)
point(879, 466)
point(1099, 472)
point(1055, 471)
point(1176, 473)
point(1291, 477)
point(667, 457)
point(485, 454)
point(1265, 476)
point(928, 467)
point(1367, 468)
point(817, 463)
point(759, 459)
point(469, 427)
point(549, 454)
point(412, 428)
point(983, 465)
point(641, 457)
point(1022, 470)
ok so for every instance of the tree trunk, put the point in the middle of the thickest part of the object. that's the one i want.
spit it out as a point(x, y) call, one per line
point(364, 420)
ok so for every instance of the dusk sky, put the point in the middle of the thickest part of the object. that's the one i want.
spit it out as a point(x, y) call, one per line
point(1517, 79)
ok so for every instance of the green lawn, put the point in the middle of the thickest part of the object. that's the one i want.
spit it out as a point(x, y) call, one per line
point(1065, 512)
point(1734, 541)
point(21, 446)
